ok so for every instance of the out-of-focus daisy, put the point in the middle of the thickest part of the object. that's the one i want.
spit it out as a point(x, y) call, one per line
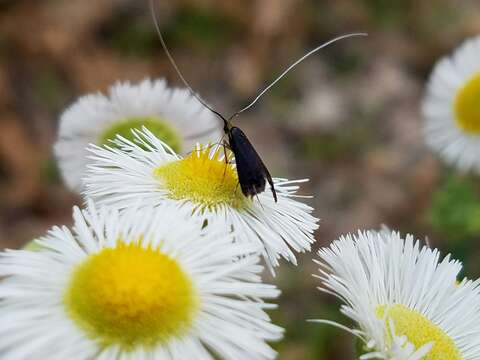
point(452, 107)
point(148, 172)
point(140, 285)
point(172, 114)
point(407, 303)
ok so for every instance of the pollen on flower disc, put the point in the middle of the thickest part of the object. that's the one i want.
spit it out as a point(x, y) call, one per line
point(419, 331)
point(130, 295)
point(203, 179)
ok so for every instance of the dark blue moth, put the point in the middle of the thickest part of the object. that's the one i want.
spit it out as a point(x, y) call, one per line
point(252, 172)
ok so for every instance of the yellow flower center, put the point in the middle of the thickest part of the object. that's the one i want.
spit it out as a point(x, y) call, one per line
point(204, 179)
point(419, 331)
point(467, 106)
point(129, 296)
point(160, 128)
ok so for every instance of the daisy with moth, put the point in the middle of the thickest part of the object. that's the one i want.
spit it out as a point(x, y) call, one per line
point(148, 172)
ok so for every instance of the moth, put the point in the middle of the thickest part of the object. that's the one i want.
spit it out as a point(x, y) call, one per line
point(252, 172)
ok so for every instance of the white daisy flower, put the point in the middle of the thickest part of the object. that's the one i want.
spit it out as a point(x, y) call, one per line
point(140, 285)
point(406, 302)
point(150, 173)
point(452, 107)
point(170, 113)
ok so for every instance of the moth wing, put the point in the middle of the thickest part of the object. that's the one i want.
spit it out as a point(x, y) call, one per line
point(270, 182)
point(252, 171)
point(249, 169)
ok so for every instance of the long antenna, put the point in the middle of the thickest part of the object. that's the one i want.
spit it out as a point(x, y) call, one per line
point(311, 52)
point(174, 64)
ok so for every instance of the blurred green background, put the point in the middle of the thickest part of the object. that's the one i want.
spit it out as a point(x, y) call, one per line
point(348, 118)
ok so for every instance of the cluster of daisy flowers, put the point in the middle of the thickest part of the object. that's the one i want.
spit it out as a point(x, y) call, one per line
point(165, 259)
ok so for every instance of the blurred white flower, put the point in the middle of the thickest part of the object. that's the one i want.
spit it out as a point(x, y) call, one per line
point(407, 304)
point(172, 114)
point(452, 107)
point(140, 285)
point(148, 172)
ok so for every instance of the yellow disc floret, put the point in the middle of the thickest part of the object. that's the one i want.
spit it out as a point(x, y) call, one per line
point(467, 106)
point(157, 126)
point(203, 178)
point(130, 295)
point(419, 331)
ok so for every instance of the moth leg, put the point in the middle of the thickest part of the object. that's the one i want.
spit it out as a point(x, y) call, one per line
point(256, 195)
point(225, 156)
point(209, 146)
point(226, 146)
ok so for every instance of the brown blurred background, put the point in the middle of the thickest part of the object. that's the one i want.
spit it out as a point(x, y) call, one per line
point(348, 118)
